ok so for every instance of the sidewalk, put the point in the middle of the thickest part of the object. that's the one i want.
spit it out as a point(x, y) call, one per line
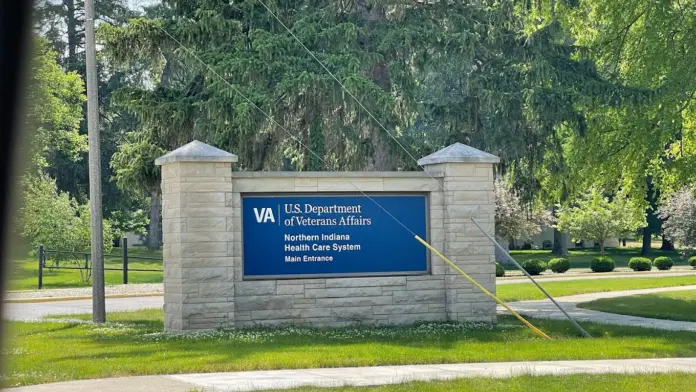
point(545, 309)
point(362, 376)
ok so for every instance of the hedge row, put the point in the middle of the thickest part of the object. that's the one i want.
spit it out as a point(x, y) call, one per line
point(598, 264)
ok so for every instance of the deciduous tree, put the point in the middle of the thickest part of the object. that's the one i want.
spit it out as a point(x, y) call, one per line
point(595, 217)
point(679, 212)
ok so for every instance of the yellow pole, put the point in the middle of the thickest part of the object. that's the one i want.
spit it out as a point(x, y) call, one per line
point(488, 293)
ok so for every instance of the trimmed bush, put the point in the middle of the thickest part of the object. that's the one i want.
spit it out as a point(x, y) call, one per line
point(499, 270)
point(534, 266)
point(559, 265)
point(663, 263)
point(640, 264)
point(692, 261)
point(602, 264)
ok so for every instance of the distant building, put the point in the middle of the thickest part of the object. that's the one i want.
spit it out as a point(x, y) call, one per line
point(135, 239)
point(544, 240)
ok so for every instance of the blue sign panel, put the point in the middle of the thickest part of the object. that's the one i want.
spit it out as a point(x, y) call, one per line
point(297, 236)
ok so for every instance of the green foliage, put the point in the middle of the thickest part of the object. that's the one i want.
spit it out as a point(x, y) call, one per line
point(499, 270)
point(534, 266)
point(559, 265)
point(134, 163)
point(640, 264)
point(598, 219)
point(692, 261)
point(131, 222)
point(663, 263)
point(54, 109)
point(51, 218)
point(602, 264)
point(642, 44)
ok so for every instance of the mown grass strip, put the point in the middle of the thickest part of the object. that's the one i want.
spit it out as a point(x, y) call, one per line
point(527, 291)
point(134, 345)
point(675, 305)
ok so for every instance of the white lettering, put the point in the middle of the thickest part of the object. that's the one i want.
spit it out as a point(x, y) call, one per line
point(264, 215)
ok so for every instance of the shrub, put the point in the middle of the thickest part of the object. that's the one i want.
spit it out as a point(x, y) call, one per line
point(602, 264)
point(663, 263)
point(559, 265)
point(692, 261)
point(640, 264)
point(499, 270)
point(534, 266)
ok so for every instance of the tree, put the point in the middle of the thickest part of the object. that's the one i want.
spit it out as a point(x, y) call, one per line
point(134, 169)
point(679, 213)
point(51, 218)
point(596, 218)
point(61, 23)
point(54, 110)
point(644, 147)
point(513, 219)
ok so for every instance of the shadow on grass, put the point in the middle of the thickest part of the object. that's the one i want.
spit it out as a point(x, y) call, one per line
point(655, 306)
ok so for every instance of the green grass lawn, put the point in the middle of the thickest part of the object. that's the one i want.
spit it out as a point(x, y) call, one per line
point(581, 258)
point(673, 305)
point(675, 382)
point(24, 273)
point(58, 351)
point(527, 291)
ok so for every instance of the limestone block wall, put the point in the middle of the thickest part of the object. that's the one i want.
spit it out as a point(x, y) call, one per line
point(339, 301)
point(198, 267)
point(203, 245)
point(468, 193)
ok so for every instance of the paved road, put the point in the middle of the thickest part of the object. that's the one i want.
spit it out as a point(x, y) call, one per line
point(117, 289)
point(38, 310)
point(545, 309)
point(362, 376)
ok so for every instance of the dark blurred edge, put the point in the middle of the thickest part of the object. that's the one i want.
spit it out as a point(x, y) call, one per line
point(15, 22)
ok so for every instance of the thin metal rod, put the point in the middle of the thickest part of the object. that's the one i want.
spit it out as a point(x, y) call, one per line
point(497, 245)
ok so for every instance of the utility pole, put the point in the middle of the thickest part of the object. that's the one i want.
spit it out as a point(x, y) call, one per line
point(95, 193)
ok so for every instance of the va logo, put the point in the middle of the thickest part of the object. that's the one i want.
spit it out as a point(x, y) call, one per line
point(264, 215)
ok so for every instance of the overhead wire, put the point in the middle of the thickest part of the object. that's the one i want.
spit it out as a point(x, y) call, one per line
point(412, 157)
point(294, 137)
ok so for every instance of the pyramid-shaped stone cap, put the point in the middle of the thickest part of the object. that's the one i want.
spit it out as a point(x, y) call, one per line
point(196, 152)
point(458, 152)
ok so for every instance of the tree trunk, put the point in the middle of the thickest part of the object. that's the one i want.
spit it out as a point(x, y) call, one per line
point(647, 233)
point(560, 243)
point(601, 248)
point(623, 241)
point(647, 242)
point(71, 23)
point(153, 235)
point(666, 244)
point(374, 13)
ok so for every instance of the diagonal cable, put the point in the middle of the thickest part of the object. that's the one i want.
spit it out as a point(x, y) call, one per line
point(348, 91)
point(326, 164)
point(295, 138)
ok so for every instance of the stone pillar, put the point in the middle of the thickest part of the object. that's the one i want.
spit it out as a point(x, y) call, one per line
point(468, 192)
point(198, 268)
